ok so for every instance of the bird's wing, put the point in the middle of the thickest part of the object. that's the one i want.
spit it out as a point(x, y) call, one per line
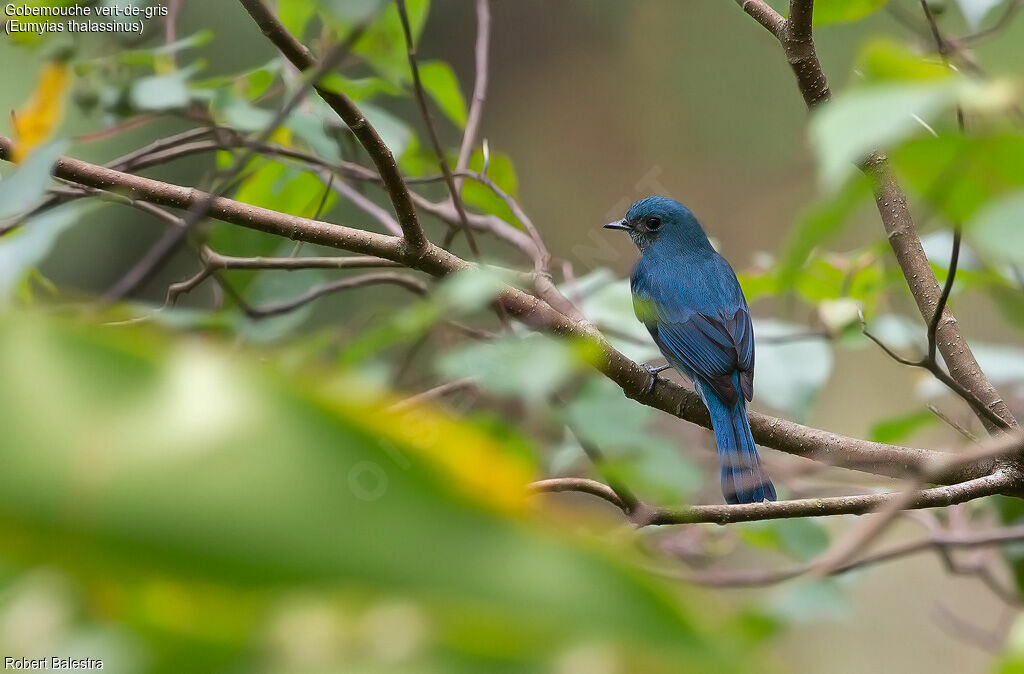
point(713, 345)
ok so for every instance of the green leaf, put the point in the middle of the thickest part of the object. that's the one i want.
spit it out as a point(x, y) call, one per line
point(440, 83)
point(997, 232)
point(835, 11)
point(161, 92)
point(974, 11)
point(855, 122)
point(296, 15)
point(361, 88)
point(959, 174)
point(501, 170)
point(23, 250)
point(898, 429)
point(820, 223)
point(842, 11)
point(221, 489)
point(788, 374)
point(383, 43)
point(531, 367)
point(393, 131)
point(276, 186)
point(882, 60)
point(800, 538)
point(26, 185)
point(603, 416)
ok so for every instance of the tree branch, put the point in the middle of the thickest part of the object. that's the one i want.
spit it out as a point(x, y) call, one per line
point(796, 38)
point(943, 541)
point(935, 497)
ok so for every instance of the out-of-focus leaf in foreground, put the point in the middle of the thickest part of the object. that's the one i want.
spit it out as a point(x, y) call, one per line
point(128, 460)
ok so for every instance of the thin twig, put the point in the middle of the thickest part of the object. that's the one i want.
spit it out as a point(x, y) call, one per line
point(428, 121)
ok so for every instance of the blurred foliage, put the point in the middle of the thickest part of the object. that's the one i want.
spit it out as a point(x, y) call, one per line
point(218, 493)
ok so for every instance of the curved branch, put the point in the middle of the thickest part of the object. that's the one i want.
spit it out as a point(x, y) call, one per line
point(935, 497)
point(315, 293)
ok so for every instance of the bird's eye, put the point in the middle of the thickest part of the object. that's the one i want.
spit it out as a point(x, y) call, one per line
point(653, 222)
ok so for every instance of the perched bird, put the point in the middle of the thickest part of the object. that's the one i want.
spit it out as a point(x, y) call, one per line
point(688, 297)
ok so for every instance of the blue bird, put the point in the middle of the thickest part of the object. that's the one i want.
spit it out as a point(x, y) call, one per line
point(688, 297)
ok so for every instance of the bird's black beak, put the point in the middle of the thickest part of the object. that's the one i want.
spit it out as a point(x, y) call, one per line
point(618, 224)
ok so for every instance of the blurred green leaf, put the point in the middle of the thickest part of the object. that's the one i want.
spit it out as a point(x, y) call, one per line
point(500, 170)
point(799, 538)
point(442, 85)
point(863, 119)
point(789, 373)
point(271, 185)
point(23, 250)
point(842, 11)
point(810, 601)
point(220, 482)
point(883, 60)
point(816, 226)
point(296, 15)
point(897, 429)
point(959, 174)
point(835, 11)
point(383, 43)
point(997, 231)
point(471, 289)
point(974, 11)
point(26, 184)
point(360, 89)
point(532, 366)
point(161, 92)
point(601, 414)
point(393, 131)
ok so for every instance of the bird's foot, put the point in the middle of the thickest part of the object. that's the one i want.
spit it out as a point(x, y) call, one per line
point(653, 371)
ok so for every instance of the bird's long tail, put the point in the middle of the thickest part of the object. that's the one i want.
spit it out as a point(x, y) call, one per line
point(743, 480)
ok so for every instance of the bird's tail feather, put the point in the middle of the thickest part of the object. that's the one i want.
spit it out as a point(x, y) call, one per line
point(743, 480)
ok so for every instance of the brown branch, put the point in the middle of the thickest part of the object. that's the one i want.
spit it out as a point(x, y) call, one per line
point(793, 438)
point(415, 241)
point(579, 484)
point(796, 38)
point(444, 389)
point(935, 497)
point(315, 293)
point(218, 261)
point(942, 541)
point(428, 121)
point(476, 107)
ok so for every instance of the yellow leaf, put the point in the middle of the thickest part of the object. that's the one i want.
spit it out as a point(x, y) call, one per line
point(35, 121)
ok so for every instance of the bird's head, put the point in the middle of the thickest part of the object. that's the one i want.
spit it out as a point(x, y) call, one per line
point(654, 219)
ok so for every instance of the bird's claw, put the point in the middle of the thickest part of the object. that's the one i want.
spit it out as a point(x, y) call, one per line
point(653, 371)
